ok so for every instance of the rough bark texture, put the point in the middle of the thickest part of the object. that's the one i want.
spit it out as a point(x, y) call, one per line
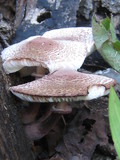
point(13, 143)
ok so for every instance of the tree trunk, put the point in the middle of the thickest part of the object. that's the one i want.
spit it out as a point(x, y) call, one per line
point(13, 143)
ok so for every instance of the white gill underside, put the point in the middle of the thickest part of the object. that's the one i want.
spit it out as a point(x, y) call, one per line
point(93, 93)
point(14, 66)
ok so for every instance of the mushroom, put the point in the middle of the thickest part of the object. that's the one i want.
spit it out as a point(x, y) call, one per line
point(60, 87)
point(50, 53)
point(64, 85)
point(61, 55)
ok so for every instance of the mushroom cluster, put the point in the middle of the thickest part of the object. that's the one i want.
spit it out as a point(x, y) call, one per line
point(61, 52)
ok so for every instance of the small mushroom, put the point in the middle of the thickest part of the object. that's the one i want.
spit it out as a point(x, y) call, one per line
point(48, 53)
point(64, 85)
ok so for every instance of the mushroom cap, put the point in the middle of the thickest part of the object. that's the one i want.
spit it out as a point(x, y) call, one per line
point(48, 53)
point(73, 34)
point(64, 85)
point(80, 34)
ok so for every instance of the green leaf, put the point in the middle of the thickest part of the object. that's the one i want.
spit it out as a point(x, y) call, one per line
point(116, 45)
point(114, 119)
point(100, 34)
point(106, 23)
point(106, 42)
point(112, 30)
point(110, 55)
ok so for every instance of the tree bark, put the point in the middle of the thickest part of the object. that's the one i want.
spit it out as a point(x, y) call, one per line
point(13, 143)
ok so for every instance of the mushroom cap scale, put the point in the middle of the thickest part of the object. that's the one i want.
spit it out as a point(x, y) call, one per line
point(64, 85)
point(79, 34)
point(73, 34)
point(40, 51)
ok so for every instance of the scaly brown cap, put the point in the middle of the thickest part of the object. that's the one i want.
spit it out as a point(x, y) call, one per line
point(64, 85)
point(48, 53)
point(73, 34)
point(79, 34)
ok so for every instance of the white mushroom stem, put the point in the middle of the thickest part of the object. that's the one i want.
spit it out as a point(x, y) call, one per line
point(62, 108)
point(26, 71)
point(36, 72)
point(30, 114)
point(40, 72)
